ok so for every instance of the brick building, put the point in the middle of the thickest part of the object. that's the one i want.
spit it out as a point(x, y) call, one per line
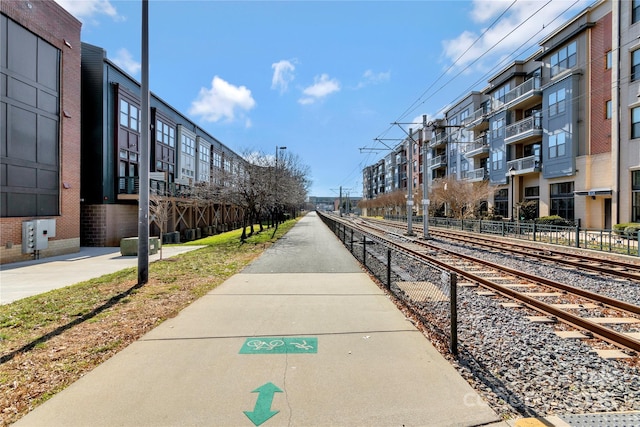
point(40, 133)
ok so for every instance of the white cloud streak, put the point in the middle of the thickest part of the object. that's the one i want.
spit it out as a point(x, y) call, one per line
point(283, 74)
point(89, 9)
point(322, 87)
point(222, 101)
point(124, 60)
point(509, 33)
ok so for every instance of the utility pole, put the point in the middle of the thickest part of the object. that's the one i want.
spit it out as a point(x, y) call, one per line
point(425, 182)
point(410, 185)
point(143, 199)
point(340, 203)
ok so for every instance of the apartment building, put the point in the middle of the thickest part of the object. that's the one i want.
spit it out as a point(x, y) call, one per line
point(558, 130)
point(182, 156)
point(40, 132)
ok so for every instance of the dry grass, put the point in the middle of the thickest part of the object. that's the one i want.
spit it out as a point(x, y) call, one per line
point(49, 341)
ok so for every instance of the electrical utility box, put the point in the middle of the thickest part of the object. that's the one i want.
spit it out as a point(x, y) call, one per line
point(36, 234)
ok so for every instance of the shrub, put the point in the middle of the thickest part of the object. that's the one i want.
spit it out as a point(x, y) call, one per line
point(627, 229)
point(554, 220)
point(631, 231)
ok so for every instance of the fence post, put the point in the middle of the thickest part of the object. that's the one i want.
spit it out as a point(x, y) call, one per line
point(352, 240)
point(534, 230)
point(453, 290)
point(364, 250)
point(389, 268)
point(578, 234)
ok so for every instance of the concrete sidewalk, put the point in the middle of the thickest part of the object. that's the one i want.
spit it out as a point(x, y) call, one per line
point(302, 337)
point(24, 279)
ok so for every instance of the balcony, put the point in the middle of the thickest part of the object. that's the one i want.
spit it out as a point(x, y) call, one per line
point(441, 139)
point(438, 162)
point(524, 166)
point(479, 148)
point(525, 130)
point(129, 188)
point(478, 120)
point(476, 175)
point(526, 95)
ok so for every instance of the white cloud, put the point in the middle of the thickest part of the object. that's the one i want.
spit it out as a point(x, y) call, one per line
point(322, 87)
point(89, 9)
point(509, 33)
point(221, 101)
point(124, 60)
point(282, 75)
point(372, 78)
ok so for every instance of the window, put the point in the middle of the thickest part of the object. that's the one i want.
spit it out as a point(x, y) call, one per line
point(531, 150)
point(635, 11)
point(501, 203)
point(635, 196)
point(635, 122)
point(165, 134)
point(188, 145)
point(557, 102)
point(562, 200)
point(557, 145)
point(635, 65)
point(497, 160)
point(608, 111)
point(497, 128)
point(129, 115)
point(217, 160)
point(464, 115)
point(563, 59)
point(499, 95)
point(608, 60)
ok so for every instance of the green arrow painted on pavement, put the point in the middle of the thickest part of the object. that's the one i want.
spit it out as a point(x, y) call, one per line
point(262, 411)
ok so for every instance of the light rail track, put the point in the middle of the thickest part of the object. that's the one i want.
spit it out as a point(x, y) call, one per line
point(507, 282)
point(617, 266)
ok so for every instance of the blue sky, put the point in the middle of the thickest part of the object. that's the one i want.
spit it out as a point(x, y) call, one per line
point(323, 78)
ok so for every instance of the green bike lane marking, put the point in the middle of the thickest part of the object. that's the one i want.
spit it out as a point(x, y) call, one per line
point(280, 345)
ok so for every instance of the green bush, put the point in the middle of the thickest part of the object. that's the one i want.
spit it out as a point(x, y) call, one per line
point(631, 231)
point(554, 220)
point(627, 229)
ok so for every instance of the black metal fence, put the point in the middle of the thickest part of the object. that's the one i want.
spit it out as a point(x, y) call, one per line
point(428, 290)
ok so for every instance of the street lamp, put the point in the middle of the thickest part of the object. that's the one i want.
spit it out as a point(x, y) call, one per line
point(512, 174)
point(276, 184)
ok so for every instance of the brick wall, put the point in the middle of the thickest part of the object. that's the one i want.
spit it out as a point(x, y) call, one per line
point(600, 86)
point(52, 23)
point(105, 225)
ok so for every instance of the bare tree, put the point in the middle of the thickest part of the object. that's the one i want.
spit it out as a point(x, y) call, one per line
point(159, 213)
point(460, 198)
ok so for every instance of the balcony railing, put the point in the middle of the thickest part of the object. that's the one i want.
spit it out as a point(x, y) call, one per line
point(527, 89)
point(441, 139)
point(479, 146)
point(524, 129)
point(524, 165)
point(476, 175)
point(438, 161)
point(131, 185)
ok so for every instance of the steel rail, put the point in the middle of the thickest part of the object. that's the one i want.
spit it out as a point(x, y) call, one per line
point(554, 258)
point(604, 333)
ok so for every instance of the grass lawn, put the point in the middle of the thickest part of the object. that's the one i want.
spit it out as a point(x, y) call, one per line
point(50, 340)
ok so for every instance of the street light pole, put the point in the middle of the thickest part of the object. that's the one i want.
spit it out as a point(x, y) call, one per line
point(512, 174)
point(143, 173)
point(276, 186)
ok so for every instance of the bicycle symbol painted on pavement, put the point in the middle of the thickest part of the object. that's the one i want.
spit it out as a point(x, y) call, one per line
point(263, 345)
point(280, 345)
